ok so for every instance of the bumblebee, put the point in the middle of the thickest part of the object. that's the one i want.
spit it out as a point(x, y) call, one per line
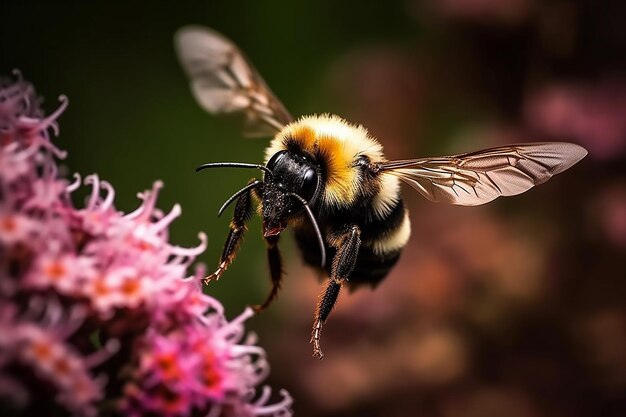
point(329, 181)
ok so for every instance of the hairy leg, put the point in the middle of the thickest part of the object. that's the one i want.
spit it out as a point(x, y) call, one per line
point(276, 271)
point(343, 264)
point(242, 214)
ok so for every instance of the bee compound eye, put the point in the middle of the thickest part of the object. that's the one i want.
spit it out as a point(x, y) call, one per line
point(309, 184)
point(275, 159)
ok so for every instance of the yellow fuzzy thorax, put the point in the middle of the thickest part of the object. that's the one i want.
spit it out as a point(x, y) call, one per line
point(338, 143)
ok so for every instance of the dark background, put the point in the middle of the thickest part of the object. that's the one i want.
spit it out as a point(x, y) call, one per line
point(515, 308)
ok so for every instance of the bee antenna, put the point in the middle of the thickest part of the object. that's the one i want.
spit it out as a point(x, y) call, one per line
point(315, 226)
point(234, 165)
point(237, 194)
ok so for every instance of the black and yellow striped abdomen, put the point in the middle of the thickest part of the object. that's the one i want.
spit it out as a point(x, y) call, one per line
point(383, 236)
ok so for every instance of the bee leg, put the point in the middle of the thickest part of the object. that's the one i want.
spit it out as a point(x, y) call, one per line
point(243, 212)
point(343, 264)
point(276, 271)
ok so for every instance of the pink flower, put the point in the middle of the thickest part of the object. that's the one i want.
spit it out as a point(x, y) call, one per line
point(62, 271)
point(91, 286)
point(42, 346)
point(15, 228)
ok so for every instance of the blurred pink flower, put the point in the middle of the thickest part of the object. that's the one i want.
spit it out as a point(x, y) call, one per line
point(80, 287)
point(42, 346)
point(592, 115)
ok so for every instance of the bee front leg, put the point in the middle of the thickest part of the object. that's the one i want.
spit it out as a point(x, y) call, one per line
point(242, 214)
point(343, 264)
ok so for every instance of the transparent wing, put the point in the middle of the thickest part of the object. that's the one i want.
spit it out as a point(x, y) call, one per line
point(223, 81)
point(476, 178)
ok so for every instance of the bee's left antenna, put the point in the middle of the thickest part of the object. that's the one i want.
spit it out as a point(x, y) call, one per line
point(233, 165)
point(237, 194)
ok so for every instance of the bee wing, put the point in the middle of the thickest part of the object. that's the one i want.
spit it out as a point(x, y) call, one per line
point(223, 81)
point(475, 178)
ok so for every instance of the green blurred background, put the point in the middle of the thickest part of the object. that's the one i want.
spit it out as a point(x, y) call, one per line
point(515, 308)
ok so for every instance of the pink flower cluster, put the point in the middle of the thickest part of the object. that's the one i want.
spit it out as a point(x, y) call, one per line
point(97, 313)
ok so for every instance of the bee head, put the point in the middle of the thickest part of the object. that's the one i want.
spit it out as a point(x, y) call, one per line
point(294, 180)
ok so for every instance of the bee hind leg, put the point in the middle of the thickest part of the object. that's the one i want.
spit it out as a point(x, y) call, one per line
point(241, 215)
point(343, 264)
point(276, 271)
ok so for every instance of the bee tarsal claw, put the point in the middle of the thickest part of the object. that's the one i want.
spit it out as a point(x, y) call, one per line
point(317, 352)
point(315, 339)
point(215, 276)
point(257, 308)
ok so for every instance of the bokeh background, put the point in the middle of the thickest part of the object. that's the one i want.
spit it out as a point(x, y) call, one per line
point(511, 309)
